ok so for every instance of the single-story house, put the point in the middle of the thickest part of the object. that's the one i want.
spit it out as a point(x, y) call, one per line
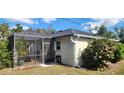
point(69, 45)
point(64, 46)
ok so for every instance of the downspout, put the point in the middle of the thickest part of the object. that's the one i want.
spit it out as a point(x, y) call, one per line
point(74, 41)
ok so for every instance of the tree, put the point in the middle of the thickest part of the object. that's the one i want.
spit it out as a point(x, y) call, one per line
point(17, 29)
point(30, 29)
point(103, 31)
point(119, 33)
point(43, 31)
point(4, 28)
point(50, 29)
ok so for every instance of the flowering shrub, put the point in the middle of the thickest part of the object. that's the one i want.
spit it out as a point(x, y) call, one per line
point(100, 53)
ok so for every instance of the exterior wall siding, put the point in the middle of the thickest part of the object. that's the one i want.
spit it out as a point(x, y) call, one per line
point(81, 44)
point(70, 53)
point(67, 50)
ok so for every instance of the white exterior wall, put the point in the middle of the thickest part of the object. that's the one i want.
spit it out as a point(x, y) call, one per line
point(81, 44)
point(71, 53)
point(67, 50)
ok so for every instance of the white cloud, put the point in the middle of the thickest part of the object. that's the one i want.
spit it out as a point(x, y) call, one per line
point(49, 20)
point(90, 25)
point(109, 21)
point(94, 31)
point(99, 21)
point(12, 27)
point(85, 27)
point(24, 27)
point(23, 20)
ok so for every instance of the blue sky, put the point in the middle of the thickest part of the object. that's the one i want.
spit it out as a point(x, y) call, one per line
point(61, 24)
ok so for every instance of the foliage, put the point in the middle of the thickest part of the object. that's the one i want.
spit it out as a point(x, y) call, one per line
point(22, 47)
point(103, 31)
point(99, 53)
point(4, 28)
point(44, 31)
point(120, 33)
point(120, 50)
point(29, 30)
point(5, 55)
point(18, 28)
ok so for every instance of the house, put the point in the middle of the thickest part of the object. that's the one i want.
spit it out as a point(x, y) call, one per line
point(63, 47)
point(69, 44)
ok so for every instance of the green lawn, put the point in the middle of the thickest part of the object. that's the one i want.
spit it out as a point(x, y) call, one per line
point(64, 70)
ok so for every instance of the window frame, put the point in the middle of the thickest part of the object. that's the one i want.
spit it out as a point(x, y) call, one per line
point(56, 45)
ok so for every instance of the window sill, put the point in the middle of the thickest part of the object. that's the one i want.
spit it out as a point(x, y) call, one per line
point(58, 50)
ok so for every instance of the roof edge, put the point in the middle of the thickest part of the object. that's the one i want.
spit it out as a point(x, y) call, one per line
point(94, 37)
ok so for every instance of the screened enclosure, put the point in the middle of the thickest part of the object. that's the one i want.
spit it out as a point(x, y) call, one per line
point(30, 48)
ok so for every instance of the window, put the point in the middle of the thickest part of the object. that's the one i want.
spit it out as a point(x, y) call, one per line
point(58, 45)
point(58, 59)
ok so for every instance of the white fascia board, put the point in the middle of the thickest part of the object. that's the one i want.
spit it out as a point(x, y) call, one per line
point(94, 37)
point(87, 36)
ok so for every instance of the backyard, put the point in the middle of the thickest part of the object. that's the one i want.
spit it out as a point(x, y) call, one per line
point(115, 69)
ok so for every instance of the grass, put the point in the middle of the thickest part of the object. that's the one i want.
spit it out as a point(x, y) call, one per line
point(115, 69)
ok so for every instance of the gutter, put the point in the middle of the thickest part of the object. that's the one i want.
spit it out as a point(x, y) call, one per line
point(94, 37)
point(87, 36)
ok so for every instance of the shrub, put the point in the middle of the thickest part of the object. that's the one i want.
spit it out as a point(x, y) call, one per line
point(22, 47)
point(120, 50)
point(1, 66)
point(5, 55)
point(99, 53)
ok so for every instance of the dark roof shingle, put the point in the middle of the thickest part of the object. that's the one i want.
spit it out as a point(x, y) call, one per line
point(68, 32)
